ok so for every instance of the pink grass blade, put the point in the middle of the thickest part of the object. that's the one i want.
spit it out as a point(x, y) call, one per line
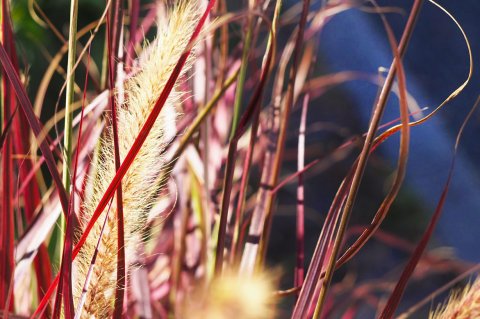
point(300, 229)
point(7, 229)
point(227, 186)
point(316, 267)
point(43, 271)
point(133, 150)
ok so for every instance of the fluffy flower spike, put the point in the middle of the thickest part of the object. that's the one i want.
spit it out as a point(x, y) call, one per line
point(141, 183)
point(464, 305)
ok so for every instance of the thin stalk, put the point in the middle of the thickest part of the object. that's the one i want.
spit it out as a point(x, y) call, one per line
point(134, 14)
point(252, 109)
point(364, 155)
point(300, 229)
point(227, 185)
point(66, 269)
point(237, 239)
point(104, 74)
point(185, 139)
point(202, 218)
point(205, 131)
point(237, 106)
point(7, 229)
point(72, 47)
point(254, 253)
point(257, 219)
point(181, 225)
point(21, 145)
point(287, 107)
point(113, 43)
point(238, 234)
point(223, 45)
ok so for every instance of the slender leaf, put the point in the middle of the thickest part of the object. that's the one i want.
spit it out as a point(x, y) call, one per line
point(34, 124)
point(397, 293)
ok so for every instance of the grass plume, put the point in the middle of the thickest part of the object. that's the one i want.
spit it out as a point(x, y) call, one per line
point(141, 183)
point(463, 305)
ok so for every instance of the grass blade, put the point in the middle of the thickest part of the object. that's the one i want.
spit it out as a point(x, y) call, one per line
point(252, 109)
point(300, 231)
point(303, 304)
point(66, 267)
point(364, 155)
point(113, 58)
point(7, 126)
point(397, 293)
point(21, 145)
point(34, 124)
point(381, 138)
point(243, 72)
point(7, 229)
point(260, 220)
point(68, 146)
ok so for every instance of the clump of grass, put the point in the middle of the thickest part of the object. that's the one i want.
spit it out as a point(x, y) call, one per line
point(217, 195)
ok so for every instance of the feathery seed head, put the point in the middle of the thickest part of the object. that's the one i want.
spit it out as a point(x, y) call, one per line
point(464, 305)
point(141, 184)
